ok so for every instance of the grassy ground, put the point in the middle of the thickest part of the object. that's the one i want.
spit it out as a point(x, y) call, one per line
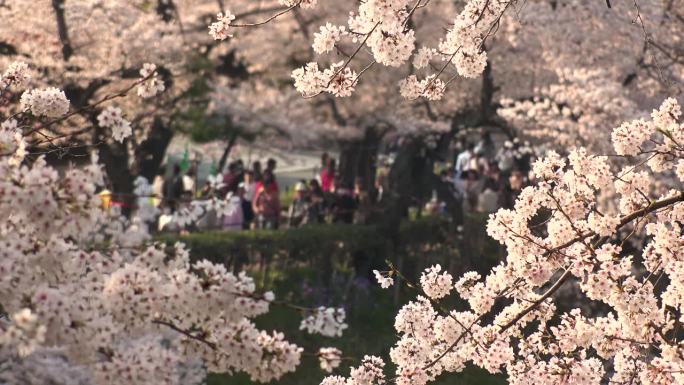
point(370, 315)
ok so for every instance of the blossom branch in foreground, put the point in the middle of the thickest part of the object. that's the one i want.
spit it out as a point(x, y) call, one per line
point(589, 210)
point(383, 27)
point(86, 288)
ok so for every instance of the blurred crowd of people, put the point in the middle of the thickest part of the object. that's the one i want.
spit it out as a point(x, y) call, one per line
point(487, 178)
point(483, 177)
point(255, 201)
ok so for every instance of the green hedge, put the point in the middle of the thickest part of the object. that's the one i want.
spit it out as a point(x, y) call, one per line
point(305, 244)
point(424, 241)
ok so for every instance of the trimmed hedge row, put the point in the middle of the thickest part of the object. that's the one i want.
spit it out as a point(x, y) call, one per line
point(424, 242)
point(305, 244)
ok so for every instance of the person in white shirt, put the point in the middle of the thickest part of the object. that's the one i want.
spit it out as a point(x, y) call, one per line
point(158, 186)
point(505, 157)
point(189, 182)
point(463, 160)
point(249, 187)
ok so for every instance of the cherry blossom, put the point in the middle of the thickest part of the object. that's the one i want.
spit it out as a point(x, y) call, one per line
point(16, 75)
point(383, 28)
point(49, 102)
point(423, 56)
point(436, 284)
point(328, 322)
point(385, 281)
point(219, 29)
point(151, 84)
point(324, 41)
point(329, 358)
point(112, 117)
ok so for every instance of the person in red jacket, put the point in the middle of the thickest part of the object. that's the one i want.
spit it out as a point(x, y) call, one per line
point(328, 176)
point(266, 202)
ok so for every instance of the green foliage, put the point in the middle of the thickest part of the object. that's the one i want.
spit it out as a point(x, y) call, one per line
point(206, 128)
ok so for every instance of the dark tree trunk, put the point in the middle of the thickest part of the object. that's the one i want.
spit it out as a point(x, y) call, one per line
point(150, 153)
point(62, 30)
point(358, 159)
point(487, 108)
point(166, 9)
point(80, 96)
point(410, 175)
point(411, 181)
point(114, 157)
point(121, 171)
point(226, 152)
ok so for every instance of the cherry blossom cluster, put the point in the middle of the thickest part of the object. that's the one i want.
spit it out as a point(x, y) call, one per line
point(328, 322)
point(219, 29)
point(338, 80)
point(464, 41)
point(16, 75)
point(435, 283)
point(383, 28)
point(329, 358)
point(150, 84)
point(49, 102)
point(25, 333)
point(112, 118)
point(384, 279)
point(570, 229)
point(90, 298)
point(304, 4)
point(581, 107)
point(430, 88)
point(93, 299)
point(12, 142)
point(369, 372)
point(325, 39)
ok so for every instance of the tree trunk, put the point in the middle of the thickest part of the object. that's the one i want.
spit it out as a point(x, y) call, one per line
point(226, 152)
point(121, 172)
point(62, 30)
point(358, 159)
point(114, 157)
point(411, 182)
point(150, 153)
point(411, 172)
point(487, 108)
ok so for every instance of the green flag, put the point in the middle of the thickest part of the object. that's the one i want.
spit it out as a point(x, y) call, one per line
point(185, 162)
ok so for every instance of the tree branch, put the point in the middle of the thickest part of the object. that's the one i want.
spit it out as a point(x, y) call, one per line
point(62, 30)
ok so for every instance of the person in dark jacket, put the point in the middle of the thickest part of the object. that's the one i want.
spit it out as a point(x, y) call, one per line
point(516, 182)
point(173, 188)
point(231, 179)
point(344, 205)
point(318, 204)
